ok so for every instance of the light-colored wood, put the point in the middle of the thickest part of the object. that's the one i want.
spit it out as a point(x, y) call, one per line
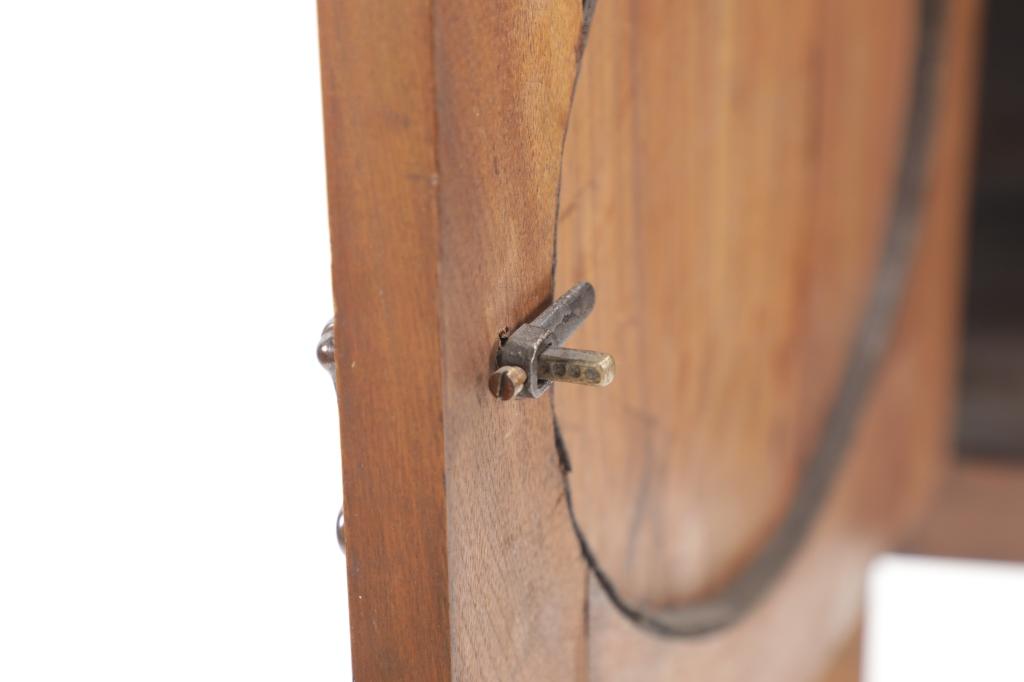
point(444, 130)
point(728, 174)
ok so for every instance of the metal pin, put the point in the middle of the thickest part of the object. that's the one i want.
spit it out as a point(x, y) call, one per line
point(576, 366)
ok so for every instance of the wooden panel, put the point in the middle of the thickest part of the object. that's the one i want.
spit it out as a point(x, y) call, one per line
point(724, 466)
point(728, 175)
point(444, 128)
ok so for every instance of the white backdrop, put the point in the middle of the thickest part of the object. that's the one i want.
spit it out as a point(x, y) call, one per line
point(943, 620)
point(169, 470)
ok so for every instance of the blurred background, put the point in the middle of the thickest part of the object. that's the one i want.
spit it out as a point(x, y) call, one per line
point(169, 470)
point(992, 404)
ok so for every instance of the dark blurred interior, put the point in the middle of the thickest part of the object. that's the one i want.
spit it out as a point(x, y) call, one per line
point(992, 399)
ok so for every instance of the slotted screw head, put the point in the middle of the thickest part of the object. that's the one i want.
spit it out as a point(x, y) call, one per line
point(507, 382)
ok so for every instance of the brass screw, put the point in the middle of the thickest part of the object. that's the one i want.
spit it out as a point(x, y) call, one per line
point(507, 382)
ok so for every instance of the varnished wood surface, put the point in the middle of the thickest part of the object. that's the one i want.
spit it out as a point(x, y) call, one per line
point(444, 129)
point(729, 173)
point(724, 186)
point(683, 466)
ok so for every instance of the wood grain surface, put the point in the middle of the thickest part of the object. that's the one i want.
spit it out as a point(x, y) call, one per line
point(727, 172)
point(723, 375)
point(381, 171)
point(444, 128)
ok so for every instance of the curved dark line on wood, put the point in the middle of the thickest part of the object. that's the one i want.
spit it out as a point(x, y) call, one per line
point(724, 608)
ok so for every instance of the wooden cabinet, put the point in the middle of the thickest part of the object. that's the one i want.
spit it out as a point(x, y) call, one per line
point(728, 175)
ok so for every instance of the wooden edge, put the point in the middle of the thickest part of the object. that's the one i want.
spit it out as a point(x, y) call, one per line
point(444, 125)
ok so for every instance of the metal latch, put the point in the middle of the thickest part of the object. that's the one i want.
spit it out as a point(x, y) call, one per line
point(532, 356)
